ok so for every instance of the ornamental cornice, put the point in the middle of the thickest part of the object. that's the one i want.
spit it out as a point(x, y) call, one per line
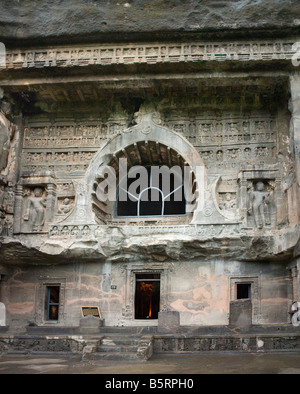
point(151, 53)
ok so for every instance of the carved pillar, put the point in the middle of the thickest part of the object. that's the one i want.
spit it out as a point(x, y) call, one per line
point(279, 206)
point(50, 202)
point(294, 107)
point(295, 282)
point(243, 200)
point(10, 137)
point(10, 144)
point(18, 208)
point(295, 126)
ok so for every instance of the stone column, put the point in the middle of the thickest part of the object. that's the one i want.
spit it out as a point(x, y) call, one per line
point(295, 283)
point(294, 107)
point(50, 204)
point(11, 135)
point(243, 199)
point(18, 208)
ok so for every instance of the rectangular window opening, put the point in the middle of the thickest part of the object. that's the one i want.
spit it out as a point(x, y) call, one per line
point(243, 291)
point(52, 303)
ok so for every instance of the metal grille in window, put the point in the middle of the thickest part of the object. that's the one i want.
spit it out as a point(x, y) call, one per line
point(154, 198)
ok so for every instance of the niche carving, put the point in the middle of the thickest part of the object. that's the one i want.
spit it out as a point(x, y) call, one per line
point(260, 198)
point(35, 204)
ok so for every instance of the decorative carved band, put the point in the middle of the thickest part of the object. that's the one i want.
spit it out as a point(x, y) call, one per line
point(150, 53)
point(94, 231)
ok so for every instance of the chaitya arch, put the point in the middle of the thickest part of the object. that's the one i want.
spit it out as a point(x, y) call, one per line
point(145, 144)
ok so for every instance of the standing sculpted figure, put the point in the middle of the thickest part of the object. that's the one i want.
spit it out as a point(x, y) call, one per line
point(7, 130)
point(35, 210)
point(259, 205)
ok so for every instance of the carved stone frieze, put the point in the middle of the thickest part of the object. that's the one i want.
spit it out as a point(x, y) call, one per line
point(147, 53)
point(74, 231)
point(6, 207)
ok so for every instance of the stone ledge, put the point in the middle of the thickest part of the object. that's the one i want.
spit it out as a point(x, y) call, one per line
point(126, 54)
point(156, 344)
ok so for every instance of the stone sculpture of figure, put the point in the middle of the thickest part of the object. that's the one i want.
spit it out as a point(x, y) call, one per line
point(259, 205)
point(66, 206)
point(7, 130)
point(54, 231)
point(35, 210)
point(229, 202)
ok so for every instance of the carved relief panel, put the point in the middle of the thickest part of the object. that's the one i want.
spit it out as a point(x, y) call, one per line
point(6, 207)
point(260, 198)
point(35, 204)
point(65, 199)
point(227, 141)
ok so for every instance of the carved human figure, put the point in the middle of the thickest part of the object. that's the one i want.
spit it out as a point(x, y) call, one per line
point(54, 231)
point(9, 200)
point(7, 130)
point(229, 202)
point(259, 205)
point(65, 207)
point(35, 210)
point(219, 155)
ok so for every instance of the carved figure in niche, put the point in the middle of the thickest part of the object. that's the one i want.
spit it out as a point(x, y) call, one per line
point(75, 231)
point(54, 231)
point(229, 202)
point(8, 226)
point(6, 198)
point(7, 130)
point(247, 152)
point(65, 231)
point(259, 205)
point(219, 155)
point(35, 210)
point(86, 231)
point(65, 207)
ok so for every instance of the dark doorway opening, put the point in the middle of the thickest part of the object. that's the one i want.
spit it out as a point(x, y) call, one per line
point(147, 296)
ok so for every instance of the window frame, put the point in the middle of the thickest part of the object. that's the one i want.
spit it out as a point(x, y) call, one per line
point(40, 315)
point(249, 290)
point(49, 303)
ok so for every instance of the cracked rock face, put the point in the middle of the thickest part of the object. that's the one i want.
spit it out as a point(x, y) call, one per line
point(170, 247)
point(95, 20)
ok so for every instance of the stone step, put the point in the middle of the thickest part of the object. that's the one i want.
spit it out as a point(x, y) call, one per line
point(120, 340)
point(120, 349)
point(116, 347)
point(129, 356)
